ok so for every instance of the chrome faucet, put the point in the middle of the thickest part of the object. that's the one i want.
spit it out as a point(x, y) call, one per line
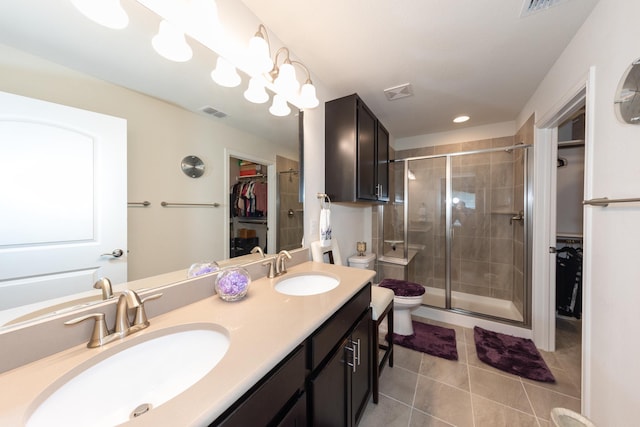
point(105, 284)
point(281, 267)
point(257, 249)
point(127, 300)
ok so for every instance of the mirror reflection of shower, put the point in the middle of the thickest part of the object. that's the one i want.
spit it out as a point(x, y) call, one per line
point(290, 210)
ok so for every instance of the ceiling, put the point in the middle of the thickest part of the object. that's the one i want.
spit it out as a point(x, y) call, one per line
point(478, 58)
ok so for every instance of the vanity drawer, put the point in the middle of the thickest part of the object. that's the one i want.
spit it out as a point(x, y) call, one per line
point(274, 394)
point(330, 334)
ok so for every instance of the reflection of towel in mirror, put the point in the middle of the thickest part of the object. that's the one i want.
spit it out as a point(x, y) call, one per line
point(325, 227)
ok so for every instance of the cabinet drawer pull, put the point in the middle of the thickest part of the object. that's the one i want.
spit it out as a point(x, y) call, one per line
point(357, 352)
point(352, 364)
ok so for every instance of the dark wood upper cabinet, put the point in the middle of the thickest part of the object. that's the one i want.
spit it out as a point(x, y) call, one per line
point(356, 152)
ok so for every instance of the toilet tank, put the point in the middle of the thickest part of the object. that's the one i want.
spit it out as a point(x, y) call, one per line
point(366, 261)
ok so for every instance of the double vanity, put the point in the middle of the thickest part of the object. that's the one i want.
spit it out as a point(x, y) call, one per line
point(295, 351)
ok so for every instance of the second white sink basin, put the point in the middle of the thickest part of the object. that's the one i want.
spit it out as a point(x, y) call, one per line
point(306, 284)
point(132, 378)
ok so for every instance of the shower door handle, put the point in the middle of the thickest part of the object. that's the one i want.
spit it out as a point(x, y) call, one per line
point(518, 217)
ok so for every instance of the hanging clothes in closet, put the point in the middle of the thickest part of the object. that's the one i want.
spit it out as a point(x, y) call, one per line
point(249, 199)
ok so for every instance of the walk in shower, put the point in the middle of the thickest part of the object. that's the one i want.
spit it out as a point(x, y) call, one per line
point(458, 224)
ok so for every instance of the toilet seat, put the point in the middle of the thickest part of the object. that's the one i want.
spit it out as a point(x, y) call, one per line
point(403, 288)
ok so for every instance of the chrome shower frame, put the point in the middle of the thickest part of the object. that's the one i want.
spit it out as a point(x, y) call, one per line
point(527, 232)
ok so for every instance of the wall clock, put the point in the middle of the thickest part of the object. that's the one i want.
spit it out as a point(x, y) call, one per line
point(627, 100)
point(192, 166)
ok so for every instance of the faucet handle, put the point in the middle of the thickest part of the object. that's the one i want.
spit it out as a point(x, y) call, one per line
point(141, 320)
point(100, 330)
point(271, 263)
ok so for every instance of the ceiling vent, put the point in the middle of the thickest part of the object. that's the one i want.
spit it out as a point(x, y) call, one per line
point(213, 112)
point(398, 92)
point(532, 6)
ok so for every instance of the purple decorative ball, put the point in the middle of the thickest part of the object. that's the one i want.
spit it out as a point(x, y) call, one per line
point(232, 284)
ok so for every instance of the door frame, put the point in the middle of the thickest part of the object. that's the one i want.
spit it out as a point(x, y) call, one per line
point(271, 198)
point(546, 149)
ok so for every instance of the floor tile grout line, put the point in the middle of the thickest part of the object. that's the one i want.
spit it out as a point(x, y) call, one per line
point(533, 409)
point(415, 391)
point(466, 348)
point(551, 390)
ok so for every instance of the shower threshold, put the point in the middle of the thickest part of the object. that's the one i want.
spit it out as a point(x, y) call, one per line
point(494, 307)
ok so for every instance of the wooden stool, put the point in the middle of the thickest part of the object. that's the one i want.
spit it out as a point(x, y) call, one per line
point(381, 307)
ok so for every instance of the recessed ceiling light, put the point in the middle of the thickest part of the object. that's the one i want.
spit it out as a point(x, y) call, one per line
point(460, 119)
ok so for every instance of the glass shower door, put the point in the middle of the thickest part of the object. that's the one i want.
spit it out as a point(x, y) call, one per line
point(426, 227)
point(487, 233)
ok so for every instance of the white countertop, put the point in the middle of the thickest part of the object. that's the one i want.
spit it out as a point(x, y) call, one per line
point(263, 328)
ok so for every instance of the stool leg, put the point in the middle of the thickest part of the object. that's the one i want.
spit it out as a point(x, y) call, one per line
point(390, 335)
point(374, 361)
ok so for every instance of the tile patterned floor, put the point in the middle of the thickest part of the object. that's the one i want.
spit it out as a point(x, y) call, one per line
point(427, 391)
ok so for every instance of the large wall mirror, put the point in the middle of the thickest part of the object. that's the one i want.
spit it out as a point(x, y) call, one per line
point(50, 52)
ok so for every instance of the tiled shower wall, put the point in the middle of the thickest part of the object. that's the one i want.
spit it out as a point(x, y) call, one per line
point(290, 210)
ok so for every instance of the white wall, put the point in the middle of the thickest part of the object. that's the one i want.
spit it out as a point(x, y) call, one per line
point(159, 136)
point(608, 41)
point(471, 133)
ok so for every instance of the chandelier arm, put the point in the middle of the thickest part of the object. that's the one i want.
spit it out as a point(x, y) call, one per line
point(304, 67)
point(262, 32)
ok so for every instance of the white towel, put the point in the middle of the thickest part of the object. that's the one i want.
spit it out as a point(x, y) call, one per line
point(325, 227)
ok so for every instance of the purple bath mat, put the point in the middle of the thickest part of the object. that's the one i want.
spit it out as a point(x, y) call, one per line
point(518, 356)
point(430, 339)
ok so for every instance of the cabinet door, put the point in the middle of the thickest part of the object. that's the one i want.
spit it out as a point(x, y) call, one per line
point(366, 155)
point(328, 392)
point(297, 415)
point(361, 376)
point(382, 159)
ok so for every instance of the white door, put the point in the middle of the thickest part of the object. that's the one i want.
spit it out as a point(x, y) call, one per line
point(63, 189)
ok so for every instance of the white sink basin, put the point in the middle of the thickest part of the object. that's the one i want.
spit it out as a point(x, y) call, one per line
point(136, 375)
point(306, 284)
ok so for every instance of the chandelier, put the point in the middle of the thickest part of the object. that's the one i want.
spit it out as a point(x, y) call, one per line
point(199, 20)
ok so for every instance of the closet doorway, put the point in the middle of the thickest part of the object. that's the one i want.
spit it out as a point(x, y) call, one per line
point(251, 188)
point(570, 193)
point(557, 133)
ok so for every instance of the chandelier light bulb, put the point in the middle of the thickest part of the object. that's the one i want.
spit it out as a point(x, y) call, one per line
point(308, 98)
point(171, 44)
point(286, 83)
point(108, 13)
point(225, 73)
point(259, 60)
point(279, 106)
point(256, 92)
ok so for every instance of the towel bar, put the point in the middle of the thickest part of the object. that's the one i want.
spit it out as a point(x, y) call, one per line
point(604, 201)
point(211, 205)
point(144, 204)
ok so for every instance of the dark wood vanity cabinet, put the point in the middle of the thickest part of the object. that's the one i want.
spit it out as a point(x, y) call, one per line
point(277, 400)
point(326, 381)
point(356, 152)
point(340, 385)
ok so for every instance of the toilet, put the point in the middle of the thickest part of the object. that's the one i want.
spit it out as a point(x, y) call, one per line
point(408, 295)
